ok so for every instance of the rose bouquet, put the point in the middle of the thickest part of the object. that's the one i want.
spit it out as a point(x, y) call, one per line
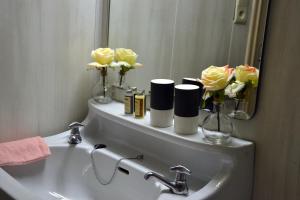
point(215, 80)
point(125, 59)
point(103, 59)
point(245, 81)
point(217, 127)
point(246, 77)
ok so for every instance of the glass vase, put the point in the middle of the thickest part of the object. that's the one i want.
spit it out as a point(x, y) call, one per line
point(122, 81)
point(217, 127)
point(240, 110)
point(102, 90)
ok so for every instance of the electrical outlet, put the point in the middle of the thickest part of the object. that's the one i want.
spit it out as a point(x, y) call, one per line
point(241, 11)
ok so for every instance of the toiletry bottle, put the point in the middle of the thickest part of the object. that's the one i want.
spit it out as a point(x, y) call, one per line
point(145, 102)
point(139, 105)
point(128, 102)
point(134, 91)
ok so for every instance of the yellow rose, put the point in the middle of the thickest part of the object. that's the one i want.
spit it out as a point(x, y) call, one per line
point(245, 73)
point(216, 78)
point(126, 56)
point(103, 56)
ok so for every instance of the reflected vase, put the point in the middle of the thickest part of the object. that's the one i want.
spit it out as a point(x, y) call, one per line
point(241, 109)
point(122, 81)
point(102, 90)
point(217, 127)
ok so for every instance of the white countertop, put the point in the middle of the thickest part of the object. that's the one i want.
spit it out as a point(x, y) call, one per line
point(115, 111)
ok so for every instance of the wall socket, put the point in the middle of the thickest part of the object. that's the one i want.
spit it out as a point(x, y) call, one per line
point(241, 11)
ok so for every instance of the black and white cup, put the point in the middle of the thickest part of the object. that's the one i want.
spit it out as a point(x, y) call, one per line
point(194, 81)
point(161, 103)
point(186, 109)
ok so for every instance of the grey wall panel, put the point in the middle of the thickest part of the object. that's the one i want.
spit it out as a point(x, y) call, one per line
point(45, 46)
point(147, 27)
point(177, 38)
point(202, 36)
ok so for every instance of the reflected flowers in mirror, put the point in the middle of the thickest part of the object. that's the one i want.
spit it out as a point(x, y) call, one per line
point(242, 90)
point(125, 59)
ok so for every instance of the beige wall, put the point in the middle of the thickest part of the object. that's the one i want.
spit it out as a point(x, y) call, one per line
point(276, 125)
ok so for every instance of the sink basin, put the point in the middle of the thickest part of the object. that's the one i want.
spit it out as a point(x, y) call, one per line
point(218, 172)
point(62, 174)
point(68, 174)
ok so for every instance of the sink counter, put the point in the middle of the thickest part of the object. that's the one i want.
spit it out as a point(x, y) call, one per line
point(115, 111)
point(218, 172)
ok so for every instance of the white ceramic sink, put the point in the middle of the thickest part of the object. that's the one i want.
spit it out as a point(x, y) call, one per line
point(68, 174)
point(218, 172)
point(62, 174)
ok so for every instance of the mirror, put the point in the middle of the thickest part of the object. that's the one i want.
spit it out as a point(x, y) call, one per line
point(180, 38)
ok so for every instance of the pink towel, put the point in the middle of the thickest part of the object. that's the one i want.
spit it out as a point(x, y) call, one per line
point(23, 151)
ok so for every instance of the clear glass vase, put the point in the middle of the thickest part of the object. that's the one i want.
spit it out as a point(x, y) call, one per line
point(122, 81)
point(217, 127)
point(240, 110)
point(102, 90)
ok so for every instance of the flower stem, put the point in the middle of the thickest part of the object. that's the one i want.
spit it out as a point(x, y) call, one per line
point(237, 105)
point(218, 117)
point(103, 74)
point(121, 80)
point(104, 86)
point(122, 74)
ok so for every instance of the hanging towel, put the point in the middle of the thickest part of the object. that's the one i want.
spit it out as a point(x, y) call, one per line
point(21, 152)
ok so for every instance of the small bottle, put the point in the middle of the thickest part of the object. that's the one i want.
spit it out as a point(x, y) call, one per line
point(128, 102)
point(145, 102)
point(134, 92)
point(139, 105)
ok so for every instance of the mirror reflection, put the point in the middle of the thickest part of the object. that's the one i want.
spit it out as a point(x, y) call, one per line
point(179, 39)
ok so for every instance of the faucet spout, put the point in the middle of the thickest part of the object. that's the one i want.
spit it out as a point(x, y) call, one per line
point(177, 187)
point(159, 177)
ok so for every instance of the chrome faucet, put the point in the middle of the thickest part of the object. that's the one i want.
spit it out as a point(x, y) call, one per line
point(75, 137)
point(179, 185)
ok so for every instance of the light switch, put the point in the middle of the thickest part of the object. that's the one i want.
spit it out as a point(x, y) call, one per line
point(241, 11)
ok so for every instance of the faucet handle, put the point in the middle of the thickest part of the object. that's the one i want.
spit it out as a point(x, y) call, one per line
point(181, 178)
point(75, 125)
point(75, 137)
point(179, 169)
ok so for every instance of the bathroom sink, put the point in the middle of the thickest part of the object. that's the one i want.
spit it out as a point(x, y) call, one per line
point(222, 172)
point(61, 176)
point(68, 175)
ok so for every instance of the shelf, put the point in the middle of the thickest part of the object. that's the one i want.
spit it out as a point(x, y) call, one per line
point(115, 112)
